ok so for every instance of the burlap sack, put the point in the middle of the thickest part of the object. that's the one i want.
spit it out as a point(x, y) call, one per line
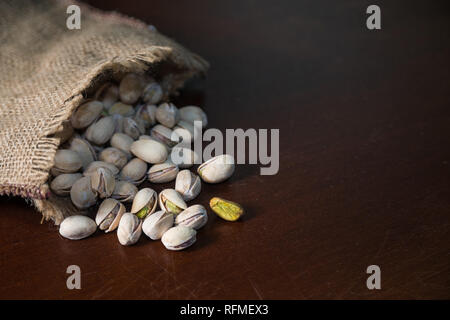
point(46, 69)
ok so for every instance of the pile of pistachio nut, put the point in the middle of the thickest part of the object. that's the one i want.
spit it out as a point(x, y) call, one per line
point(127, 134)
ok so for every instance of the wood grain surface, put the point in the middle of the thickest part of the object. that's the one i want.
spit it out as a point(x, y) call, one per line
point(364, 119)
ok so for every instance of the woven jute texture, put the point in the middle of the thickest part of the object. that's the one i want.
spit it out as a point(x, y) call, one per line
point(45, 72)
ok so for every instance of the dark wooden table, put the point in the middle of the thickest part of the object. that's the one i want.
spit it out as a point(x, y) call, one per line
point(364, 119)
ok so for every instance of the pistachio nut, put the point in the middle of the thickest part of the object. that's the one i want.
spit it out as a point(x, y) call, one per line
point(167, 114)
point(193, 217)
point(82, 195)
point(217, 169)
point(152, 93)
point(129, 230)
point(125, 110)
point(103, 182)
point(185, 130)
point(114, 156)
point(183, 157)
point(147, 113)
point(65, 132)
point(134, 171)
point(66, 161)
point(171, 201)
point(86, 114)
point(193, 113)
point(149, 150)
point(227, 210)
point(84, 149)
point(130, 88)
point(62, 184)
point(124, 191)
point(156, 224)
point(144, 203)
point(108, 94)
point(133, 127)
point(162, 172)
point(109, 214)
point(165, 135)
point(179, 238)
point(77, 227)
point(118, 123)
point(92, 167)
point(188, 185)
point(101, 131)
point(122, 142)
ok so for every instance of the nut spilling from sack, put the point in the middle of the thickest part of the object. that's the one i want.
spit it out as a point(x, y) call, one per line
point(122, 137)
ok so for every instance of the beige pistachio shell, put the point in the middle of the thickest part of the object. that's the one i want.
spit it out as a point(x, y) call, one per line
point(103, 182)
point(82, 195)
point(165, 135)
point(66, 161)
point(152, 93)
point(184, 157)
point(101, 131)
point(171, 201)
point(167, 114)
point(133, 127)
point(134, 171)
point(149, 150)
point(84, 149)
point(162, 172)
point(145, 202)
point(185, 130)
point(77, 227)
point(156, 224)
point(86, 114)
point(123, 109)
point(193, 113)
point(62, 184)
point(108, 94)
point(217, 169)
point(114, 156)
point(129, 230)
point(194, 217)
point(124, 191)
point(130, 88)
point(118, 123)
point(93, 166)
point(179, 238)
point(188, 185)
point(109, 214)
point(147, 113)
point(122, 142)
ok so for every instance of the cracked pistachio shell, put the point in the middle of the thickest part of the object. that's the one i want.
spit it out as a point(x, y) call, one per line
point(93, 166)
point(103, 182)
point(62, 184)
point(217, 169)
point(82, 195)
point(122, 142)
point(84, 149)
point(130, 88)
point(108, 94)
point(226, 209)
point(133, 127)
point(86, 114)
point(124, 191)
point(66, 161)
point(179, 238)
point(185, 130)
point(125, 110)
point(152, 93)
point(165, 135)
point(156, 224)
point(77, 227)
point(171, 201)
point(147, 113)
point(194, 217)
point(193, 113)
point(149, 150)
point(144, 203)
point(129, 230)
point(134, 171)
point(101, 131)
point(188, 185)
point(167, 114)
point(109, 214)
point(184, 157)
point(64, 132)
point(114, 156)
point(118, 123)
point(162, 172)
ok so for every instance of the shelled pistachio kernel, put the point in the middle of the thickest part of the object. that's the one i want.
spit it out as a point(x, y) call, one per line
point(227, 210)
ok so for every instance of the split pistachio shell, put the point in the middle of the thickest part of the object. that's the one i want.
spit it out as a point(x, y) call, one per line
point(156, 224)
point(93, 166)
point(122, 142)
point(129, 230)
point(114, 156)
point(108, 94)
point(185, 130)
point(149, 150)
point(188, 185)
point(65, 132)
point(217, 169)
point(194, 217)
point(165, 135)
point(226, 209)
point(147, 113)
point(193, 113)
point(84, 149)
point(62, 184)
point(133, 127)
point(86, 114)
point(171, 201)
point(130, 88)
point(184, 157)
point(121, 108)
point(66, 161)
point(162, 172)
point(82, 195)
point(179, 238)
point(134, 171)
point(118, 123)
point(109, 214)
point(144, 202)
point(101, 131)
point(152, 93)
point(124, 191)
point(103, 182)
point(167, 114)
point(77, 227)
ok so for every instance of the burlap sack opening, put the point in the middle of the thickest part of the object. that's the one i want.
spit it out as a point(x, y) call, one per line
point(46, 70)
